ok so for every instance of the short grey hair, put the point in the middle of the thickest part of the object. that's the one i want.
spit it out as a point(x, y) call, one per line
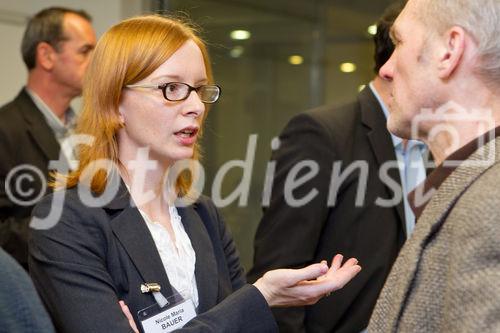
point(480, 18)
point(46, 26)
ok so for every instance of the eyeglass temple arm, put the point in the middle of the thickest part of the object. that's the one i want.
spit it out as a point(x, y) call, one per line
point(144, 85)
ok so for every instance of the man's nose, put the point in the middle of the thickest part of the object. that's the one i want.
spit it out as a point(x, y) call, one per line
point(386, 72)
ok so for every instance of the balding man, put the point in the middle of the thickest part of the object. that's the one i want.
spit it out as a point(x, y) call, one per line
point(446, 78)
point(34, 126)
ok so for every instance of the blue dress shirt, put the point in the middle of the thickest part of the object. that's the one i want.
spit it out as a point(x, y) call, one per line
point(410, 155)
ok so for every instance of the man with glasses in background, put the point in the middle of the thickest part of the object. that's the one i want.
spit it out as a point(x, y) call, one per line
point(36, 125)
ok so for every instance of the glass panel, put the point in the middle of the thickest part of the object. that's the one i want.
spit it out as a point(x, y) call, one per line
point(290, 62)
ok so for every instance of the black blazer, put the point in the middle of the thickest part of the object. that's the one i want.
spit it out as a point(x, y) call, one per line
point(25, 138)
point(94, 257)
point(295, 237)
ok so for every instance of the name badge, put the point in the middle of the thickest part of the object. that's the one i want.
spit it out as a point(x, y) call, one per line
point(171, 317)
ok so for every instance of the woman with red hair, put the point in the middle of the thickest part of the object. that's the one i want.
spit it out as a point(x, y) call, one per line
point(133, 236)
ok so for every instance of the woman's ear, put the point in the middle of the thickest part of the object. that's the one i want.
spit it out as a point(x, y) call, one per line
point(452, 52)
point(121, 118)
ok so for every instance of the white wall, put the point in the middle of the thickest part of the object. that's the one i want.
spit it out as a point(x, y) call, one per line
point(13, 16)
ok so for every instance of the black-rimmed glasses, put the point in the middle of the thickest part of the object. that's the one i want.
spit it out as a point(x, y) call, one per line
point(179, 91)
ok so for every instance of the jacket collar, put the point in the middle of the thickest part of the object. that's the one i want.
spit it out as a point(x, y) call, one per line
point(206, 264)
point(38, 129)
point(445, 169)
point(372, 116)
point(133, 233)
point(400, 280)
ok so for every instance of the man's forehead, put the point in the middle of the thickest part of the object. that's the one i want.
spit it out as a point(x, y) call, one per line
point(400, 22)
point(77, 26)
point(411, 10)
point(394, 31)
point(76, 22)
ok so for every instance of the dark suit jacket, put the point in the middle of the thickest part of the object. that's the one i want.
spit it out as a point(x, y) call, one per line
point(295, 237)
point(20, 307)
point(25, 138)
point(94, 257)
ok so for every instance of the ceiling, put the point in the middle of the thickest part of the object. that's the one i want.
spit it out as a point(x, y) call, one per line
point(325, 33)
point(283, 27)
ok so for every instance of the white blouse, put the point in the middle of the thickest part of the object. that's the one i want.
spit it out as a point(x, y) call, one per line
point(178, 259)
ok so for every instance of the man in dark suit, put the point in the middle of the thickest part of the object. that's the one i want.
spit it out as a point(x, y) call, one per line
point(351, 169)
point(56, 47)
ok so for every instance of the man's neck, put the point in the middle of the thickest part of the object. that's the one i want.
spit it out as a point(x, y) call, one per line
point(443, 145)
point(467, 116)
point(51, 94)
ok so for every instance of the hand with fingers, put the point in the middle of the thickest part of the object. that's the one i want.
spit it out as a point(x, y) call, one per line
point(306, 286)
point(295, 287)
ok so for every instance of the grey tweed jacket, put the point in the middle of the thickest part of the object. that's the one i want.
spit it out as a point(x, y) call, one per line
point(447, 276)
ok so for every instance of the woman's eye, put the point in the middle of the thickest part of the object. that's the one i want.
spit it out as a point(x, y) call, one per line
point(172, 87)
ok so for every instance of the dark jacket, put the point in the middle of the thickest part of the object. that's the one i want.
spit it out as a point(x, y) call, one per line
point(25, 139)
point(94, 257)
point(297, 236)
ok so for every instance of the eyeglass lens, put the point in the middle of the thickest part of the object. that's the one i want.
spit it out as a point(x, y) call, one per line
point(177, 91)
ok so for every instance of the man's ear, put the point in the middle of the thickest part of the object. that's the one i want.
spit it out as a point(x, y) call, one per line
point(452, 52)
point(45, 55)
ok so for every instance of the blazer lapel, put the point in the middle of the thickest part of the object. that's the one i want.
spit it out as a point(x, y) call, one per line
point(399, 282)
point(38, 129)
point(380, 139)
point(134, 235)
point(206, 265)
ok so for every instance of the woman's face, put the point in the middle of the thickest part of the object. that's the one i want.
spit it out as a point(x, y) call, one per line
point(168, 129)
